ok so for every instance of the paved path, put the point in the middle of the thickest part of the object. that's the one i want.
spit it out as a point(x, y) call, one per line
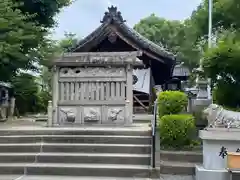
point(18, 177)
point(171, 177)
point(15, 177)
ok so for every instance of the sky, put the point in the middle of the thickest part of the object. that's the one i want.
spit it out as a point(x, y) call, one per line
point(83, 16)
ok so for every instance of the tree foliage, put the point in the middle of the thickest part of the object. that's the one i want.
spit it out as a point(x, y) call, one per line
point(17, 37)
point(225, 15)
point(188, 38)
point(26, 93)
point(24, 46)
point(44, 11)
point(174, 36)
point(222, 65)
point(68, 42)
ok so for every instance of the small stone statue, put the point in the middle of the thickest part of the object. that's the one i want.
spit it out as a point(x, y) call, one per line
point(69, 116)
point(219, 117)
point(92, 115)
point(114, 114)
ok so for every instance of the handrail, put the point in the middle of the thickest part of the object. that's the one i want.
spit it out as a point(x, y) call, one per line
point(154, 127)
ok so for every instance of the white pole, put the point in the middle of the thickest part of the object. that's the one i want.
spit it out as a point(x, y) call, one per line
point(210, 8)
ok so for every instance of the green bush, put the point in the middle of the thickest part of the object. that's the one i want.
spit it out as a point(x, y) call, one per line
point(176, 131)
point(227, 95)
point(171, 102)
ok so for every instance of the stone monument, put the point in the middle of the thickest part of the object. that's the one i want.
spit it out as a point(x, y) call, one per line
point(203, 98)
point(220, 137)
point(93, 88)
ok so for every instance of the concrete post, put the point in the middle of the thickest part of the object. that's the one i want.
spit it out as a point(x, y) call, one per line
point(12, 107)
point(129, 99)
point(55, 95)
point(50, 114)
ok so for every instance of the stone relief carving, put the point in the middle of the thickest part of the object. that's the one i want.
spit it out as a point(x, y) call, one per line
point(100, 58)
point(219, 117)
point(68, 115)
point(90, 72)
point(91, 114)
point(115, 114)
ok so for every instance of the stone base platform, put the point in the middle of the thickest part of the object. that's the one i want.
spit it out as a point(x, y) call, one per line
point(205, 174)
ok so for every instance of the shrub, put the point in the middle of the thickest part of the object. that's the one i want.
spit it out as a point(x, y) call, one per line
point(177, 130)
point(227, 94)
point(171, 102)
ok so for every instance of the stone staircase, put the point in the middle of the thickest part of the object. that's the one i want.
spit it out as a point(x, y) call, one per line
point(179, 162)
point(92, 152)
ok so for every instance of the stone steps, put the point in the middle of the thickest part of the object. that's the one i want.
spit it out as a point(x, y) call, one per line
point(85, 158)
point(99, 130)
point(177, 168)
point(62, 169)
point(82, 152)
point(179, 162)
point(182, 156)
point(108, 139)
point(76, 148)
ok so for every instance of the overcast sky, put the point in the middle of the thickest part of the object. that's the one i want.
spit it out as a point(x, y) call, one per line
point(83, 16)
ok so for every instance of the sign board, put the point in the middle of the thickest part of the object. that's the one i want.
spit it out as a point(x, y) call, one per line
point(215, 154)
point(141, 80)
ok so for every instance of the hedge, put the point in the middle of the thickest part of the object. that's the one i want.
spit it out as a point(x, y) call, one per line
point(176, 130)
point(171, 102)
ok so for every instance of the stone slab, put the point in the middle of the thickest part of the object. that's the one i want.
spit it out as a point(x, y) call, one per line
point(205, 174)
point(176, 177)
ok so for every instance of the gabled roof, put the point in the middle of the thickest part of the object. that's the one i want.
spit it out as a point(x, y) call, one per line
point(113, 23)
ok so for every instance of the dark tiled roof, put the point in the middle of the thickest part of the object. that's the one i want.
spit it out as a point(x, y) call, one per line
point(114, 17)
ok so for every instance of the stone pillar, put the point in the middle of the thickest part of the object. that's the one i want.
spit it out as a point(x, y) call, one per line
point(127, 113)
point(12, 107)
point(202, 100)
point(129, 94)
point(55, 95)
point(50, 114)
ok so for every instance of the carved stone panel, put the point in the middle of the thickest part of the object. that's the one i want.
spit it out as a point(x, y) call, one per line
point(92, 72)
point(115, 115)
point(91, 114)
point(67, 115)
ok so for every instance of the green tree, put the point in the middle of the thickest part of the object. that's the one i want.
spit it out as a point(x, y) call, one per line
point(44, 11)
point(17, 37)
point(26, 93)
point(221, 64)
point(175, 36)
point(69, 41)
point(225, 15)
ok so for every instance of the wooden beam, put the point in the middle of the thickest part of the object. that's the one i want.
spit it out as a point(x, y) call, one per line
point(135, 98)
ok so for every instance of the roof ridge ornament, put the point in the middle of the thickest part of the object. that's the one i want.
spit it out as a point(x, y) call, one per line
point(112, 15)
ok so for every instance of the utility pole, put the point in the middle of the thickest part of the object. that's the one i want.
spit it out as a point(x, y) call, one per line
point(203, 84)
point(210, 8)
